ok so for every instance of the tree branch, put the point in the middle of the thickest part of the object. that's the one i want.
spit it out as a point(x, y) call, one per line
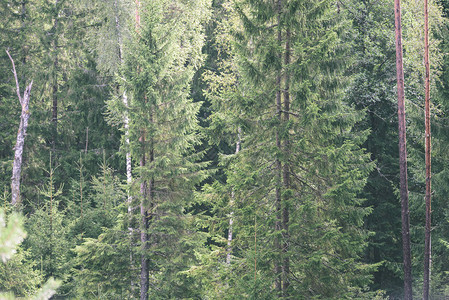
point(15, 76)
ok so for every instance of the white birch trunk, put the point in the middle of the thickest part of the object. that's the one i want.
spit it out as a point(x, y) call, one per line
point(125, 102)
point(21, 133)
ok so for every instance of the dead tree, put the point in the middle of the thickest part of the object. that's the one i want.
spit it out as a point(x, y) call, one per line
point(18, 149)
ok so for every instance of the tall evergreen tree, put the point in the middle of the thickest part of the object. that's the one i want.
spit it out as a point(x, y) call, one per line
point(160, 61)
point(296, 132)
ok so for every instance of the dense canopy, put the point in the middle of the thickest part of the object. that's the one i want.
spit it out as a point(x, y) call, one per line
point(218, 149)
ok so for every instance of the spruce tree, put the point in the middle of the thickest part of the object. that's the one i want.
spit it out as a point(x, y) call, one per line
point(292, 178)
point(160, 61)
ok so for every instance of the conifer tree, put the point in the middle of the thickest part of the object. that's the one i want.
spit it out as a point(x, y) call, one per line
point(295, 135)
point(47, 230)
point(160, 62)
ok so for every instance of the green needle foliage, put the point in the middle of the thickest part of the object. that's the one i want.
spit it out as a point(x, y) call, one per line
point(299, 114)
point(160, 61)
point(297, 179)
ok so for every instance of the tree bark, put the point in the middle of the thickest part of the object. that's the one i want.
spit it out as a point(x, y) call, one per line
point(231, 220)
point(278, 205)
point(55, 88)
point(403, 157)
point(286, 171)
point(125, 102)
point(21, 133)
point(144, 269)
point(427, 246)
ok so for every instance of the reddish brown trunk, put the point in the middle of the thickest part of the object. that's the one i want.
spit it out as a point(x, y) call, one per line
point(403, 157)
point(427, 246)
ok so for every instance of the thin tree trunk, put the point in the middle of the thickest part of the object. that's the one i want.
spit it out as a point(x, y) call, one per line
point(147, 192)
point(403, 157)
point(125, 102)
point(81, 184)
point(23, 17)
point(54, 118)
point(427, 247)
point(129, 176)
point(21, 133)
point(144, 269)
point(51, 271)
point(278, 225)
point(278, 194)
point(286, 172)
point(126, 122)
point(231, 221)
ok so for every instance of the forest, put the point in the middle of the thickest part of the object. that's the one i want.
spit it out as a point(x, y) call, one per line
point(224, 149)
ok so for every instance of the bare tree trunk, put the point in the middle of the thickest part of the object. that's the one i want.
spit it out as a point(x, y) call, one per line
point(427, 246)
point(231, 221)
point(125, 102)
point(129, 176)
point(55, 88)
point(403, 157)
point(21, 133)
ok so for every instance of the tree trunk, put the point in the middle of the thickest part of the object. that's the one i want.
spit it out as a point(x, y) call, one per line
point(403, 157)
point(278, 194)
point(427, 247)
point(125, 102)
point(144, 269)
point(286, 171)
point(126, 122)
point(55, 89)
point(21, 133)
point(231, 221)
point(278, 205)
